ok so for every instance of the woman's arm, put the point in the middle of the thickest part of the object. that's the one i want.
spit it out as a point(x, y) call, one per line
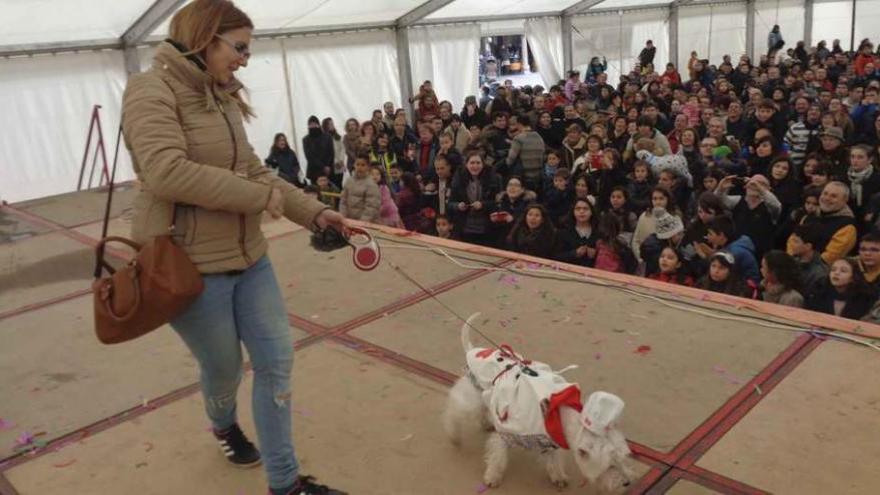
point(156, 139)
point(298, 206)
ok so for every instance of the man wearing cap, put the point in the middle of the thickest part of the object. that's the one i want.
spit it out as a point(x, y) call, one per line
point(318, 148)
point(834, 226)
point(832, 149)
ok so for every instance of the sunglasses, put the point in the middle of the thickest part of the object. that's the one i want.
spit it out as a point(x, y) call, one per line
point(240, 47)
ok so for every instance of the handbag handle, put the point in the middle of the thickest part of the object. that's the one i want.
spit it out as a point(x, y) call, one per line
point(105, 295)
point(99, 249)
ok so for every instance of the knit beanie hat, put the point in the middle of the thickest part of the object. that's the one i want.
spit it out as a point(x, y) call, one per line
point(314, 120)
point(667, 225)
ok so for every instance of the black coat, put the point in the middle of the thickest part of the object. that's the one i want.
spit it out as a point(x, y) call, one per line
point(286, 162)
point(489, 190)
point(569, 240)
point(823, 297)
point(319, 153)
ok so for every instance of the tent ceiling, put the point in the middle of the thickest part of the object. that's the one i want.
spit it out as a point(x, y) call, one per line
point(485, 8)
point(619, 4)
point(48, 21)
point(277, 15)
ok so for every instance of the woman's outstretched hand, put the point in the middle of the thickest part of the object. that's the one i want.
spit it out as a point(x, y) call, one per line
point(330, 218)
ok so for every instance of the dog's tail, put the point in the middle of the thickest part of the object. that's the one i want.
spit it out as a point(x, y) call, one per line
point(466, 332)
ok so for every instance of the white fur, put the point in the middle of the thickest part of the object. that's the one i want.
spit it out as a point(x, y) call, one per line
point(602, 459)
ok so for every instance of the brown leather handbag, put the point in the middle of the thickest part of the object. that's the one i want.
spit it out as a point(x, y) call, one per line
point(159, 283)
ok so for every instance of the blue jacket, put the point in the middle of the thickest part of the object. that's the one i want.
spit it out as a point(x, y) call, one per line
point(743, 251)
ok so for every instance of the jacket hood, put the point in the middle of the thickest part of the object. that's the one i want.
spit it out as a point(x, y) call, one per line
point(743, 243)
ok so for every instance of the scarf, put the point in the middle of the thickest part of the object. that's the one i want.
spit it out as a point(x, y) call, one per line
point(856, 180)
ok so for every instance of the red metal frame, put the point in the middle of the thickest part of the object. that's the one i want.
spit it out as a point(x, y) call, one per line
point(94, 122)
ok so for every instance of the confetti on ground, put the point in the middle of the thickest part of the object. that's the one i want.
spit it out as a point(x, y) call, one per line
point(65, 464)
point(730, 377)
point(24, 439)
point(302, 412)
point(482, 488)
point(406, 438)
point(597, 342)
point(148, 446)
point(758, 390)
point(642, 317)
point(509, 280)
point(618, 330)
point(643, 350)
point(6, 425)
point(598, 356)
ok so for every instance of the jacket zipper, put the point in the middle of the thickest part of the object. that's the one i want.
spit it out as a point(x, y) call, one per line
point(242, 226)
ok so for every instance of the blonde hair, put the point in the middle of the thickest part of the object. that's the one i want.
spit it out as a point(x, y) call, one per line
point(196, 25)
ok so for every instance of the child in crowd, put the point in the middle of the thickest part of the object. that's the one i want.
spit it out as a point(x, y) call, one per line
point(559, 198)
point(781, 281)
point(388, 213)
point(329, 193)
point(639, 188)
point(722, 277)
point(844, 293)
point(443, 227)
point(409, 202)
point(671, 268)
point(361, 199)
point(551, 165)
point(612, 252)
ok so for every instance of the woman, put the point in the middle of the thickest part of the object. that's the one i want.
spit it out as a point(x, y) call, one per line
point(844, 293)
point(409, 201)
point(864, 181)
point(781, 279)
point(191, 97)
point(577, 241)
point(339, 162)
point(474, 188)
point(351, 141)
point(533, 234)
point(283, 159)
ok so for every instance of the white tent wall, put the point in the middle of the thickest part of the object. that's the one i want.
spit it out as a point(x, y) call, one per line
point(267, 94)
point(544, 36)
point(788, 14)
point(448, 56)
point(46, 104)
point(620, 39)
point(712, 31)
point(340, 76)
point(832, 19)
point(867, 21)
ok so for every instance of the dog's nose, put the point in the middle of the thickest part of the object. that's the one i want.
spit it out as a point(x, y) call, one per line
point(626, 483)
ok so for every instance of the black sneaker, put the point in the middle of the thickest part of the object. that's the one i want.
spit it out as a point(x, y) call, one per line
point(306, 485)
point(237, 448)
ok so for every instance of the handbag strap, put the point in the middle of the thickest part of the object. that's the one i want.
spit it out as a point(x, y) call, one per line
point(99, 264)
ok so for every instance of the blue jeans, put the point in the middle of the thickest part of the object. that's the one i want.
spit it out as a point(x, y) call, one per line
point(246, 308)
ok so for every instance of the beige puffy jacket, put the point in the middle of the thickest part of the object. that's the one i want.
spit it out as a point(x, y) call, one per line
point(189, 146)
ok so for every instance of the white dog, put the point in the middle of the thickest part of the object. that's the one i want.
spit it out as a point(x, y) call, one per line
point(527, 404)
